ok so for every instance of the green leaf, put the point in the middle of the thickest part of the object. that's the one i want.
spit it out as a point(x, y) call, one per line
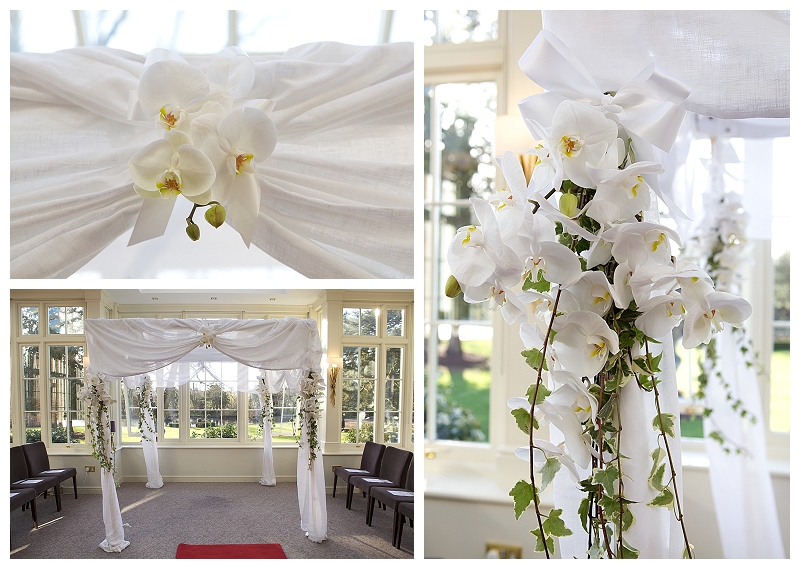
point(554, 525)
point(522, 492)
point(628, 552)
point(665, 499)
point(656, 479)
point(606, 478)
point(657, 456)
point(540, 545)
point(583, 511)
point(533, 358)
point(596, 551)
point(542, 285)
point(541, 393)
point(687, 551)
point(653, 362)
point(523, 418)
point(548, 471)
point(667, 420)
point(717, 437)
point(628, 519)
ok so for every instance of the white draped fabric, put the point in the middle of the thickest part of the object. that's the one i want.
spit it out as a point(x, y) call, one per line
point(150, 450)
point(737, 65)
point(336, 194)
point(174, 351)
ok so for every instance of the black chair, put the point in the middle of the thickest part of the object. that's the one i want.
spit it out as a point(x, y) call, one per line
point(23, 496)
point(392, 497)
point(406, 510)
point(370, 464)
point(394, 468)
point(21, 478)
point(39, 465)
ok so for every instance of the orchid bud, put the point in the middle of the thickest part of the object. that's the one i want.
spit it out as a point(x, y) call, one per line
point(452, 289)
point(193, 231)
point(567, 204)
point(215, 215)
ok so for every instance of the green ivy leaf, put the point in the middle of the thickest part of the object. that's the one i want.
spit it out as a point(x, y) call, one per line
point(606, 478)
point(596, 551)
point(653, 362)
point(533, 358)
point(688, 550)
point(554, 525)
point(523, 496)
point(656, 479)
point(628, 519)
point(665, 499)
point(540, 545)
point(523, 418)
point(539, 285)
point(668, 422)
point(541, 393)
point(628, 552)
point(717, 437)
point(548, 471)
point(657, 455)
point(583, 511)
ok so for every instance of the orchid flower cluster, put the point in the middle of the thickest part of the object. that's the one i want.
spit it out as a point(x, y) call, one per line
point(599, 286)
point(97, 400)
point(721, 247)
point(265, 395)
point(311, 392)
point(213, 138)
point(145, 395)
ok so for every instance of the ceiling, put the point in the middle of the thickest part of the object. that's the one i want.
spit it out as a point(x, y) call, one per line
point(296, 297)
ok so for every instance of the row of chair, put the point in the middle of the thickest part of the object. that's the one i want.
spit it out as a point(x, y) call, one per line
point(386, 476)
point(31, 476)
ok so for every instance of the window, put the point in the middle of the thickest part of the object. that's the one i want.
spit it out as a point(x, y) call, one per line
point(65, 320)
point(213, 408)
point(284, 416)
point(374, 344)
point(31, 394)
point(67, 419)
point(459, 145)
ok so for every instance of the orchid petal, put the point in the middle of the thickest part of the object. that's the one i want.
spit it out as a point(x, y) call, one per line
point(171, 82)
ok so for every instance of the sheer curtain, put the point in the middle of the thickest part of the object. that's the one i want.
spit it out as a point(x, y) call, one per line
point(737, 65)
point(336, 195)
point(288, 349)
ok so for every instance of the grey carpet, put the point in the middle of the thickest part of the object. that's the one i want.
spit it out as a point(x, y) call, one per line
point(202, 513)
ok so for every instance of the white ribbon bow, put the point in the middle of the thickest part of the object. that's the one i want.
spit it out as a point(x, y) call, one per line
point(647, 106)
point(208, 337)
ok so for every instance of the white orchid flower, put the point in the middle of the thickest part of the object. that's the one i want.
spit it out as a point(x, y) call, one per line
point(511, 307)
point(573, 396)
point(559, 264)
point(660, 315)
point(581, 135)
point(170, 167)
point(621, 194)
point(477, 250)
point(705, 318)
point(577, 443)
point(623, 294)
point(541, 450)
point(244, 138)
point(640, 243)
point(171, 90)
point(511, 205)
point(652, 279)
point(599, 253)
point(583, 342)
point(592, 292)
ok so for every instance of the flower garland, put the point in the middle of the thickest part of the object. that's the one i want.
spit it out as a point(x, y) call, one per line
point(599, 286)
point(311, 391)
point(214, 137)
point(97, 400)
point(145, 393)
point(265, 395)
point(721, 247)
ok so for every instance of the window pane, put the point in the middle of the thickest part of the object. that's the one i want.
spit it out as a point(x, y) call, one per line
point(394, 323)
point(171, 413)
point(463, 379)
point(67, 420)
point(30, 320)
point(350, 321)
point(368, 322)
point(75, 320)
point(31, 397)
point(65, 320)
point(358, 394)
point(56, 319)
point(206, 401)
point(394, 363)
point(779, 413)
point(284, 416)
point(460, 26)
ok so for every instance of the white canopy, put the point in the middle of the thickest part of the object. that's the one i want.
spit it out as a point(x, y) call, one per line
point(173, 351)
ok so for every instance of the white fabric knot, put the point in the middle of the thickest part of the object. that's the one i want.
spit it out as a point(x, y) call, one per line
point(208, 337)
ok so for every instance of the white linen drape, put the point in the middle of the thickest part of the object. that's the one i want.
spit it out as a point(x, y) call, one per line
point(287, 349)
point(336, 195)
point(150, 450)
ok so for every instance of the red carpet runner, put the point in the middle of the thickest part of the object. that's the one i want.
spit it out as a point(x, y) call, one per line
point(230, 551)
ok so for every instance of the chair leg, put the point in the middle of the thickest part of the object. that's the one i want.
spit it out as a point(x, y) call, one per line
point(370, 508)
point(57, 491)
point(400, 530)
point(349, 496)
point(335, 478)
point(75, 485)
point(33, 513)
point(394, 527)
